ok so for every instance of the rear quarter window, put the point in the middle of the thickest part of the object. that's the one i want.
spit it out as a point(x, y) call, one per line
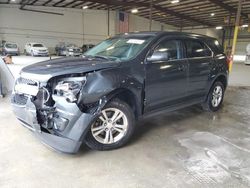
point(196, 48)
point(215, 46)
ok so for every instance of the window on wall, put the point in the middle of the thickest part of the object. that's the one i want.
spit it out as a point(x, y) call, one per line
point(172, 47)
point(197, 49)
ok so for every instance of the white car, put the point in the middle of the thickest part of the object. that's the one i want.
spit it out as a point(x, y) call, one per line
point(36, 49)
point(247, 61)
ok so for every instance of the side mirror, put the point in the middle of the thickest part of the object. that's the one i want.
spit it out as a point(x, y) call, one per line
point(158, 56)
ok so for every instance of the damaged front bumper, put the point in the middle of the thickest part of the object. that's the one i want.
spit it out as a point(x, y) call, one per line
point(70, 124)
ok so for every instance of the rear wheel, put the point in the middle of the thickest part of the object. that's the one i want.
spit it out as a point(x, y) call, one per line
point(112, 128)
point(215, 97)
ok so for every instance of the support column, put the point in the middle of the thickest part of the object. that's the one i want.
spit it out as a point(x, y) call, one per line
point(108, 22)
point(236, 30)
point(150, 15)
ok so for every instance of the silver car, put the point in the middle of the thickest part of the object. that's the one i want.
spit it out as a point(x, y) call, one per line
point(68, 50)
point(10, 48)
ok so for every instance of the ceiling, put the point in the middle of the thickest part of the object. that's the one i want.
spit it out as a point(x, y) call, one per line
point(185, 13)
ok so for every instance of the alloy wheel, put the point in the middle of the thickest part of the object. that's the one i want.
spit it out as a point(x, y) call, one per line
point(217, 96)
point(110, 127)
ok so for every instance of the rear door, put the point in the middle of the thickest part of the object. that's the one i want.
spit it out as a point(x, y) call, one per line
point(166, 81)
point(200, 60)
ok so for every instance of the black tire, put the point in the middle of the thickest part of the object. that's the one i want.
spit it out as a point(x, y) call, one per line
point(92, 142)
point(208, 105)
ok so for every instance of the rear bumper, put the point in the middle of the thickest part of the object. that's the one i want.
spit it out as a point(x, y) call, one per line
point(67, 141)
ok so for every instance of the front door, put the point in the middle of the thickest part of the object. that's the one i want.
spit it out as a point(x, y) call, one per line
point(166, 80)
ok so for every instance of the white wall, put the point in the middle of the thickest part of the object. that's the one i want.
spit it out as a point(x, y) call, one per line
point(137, 23)
point(206, 31)
point(76, 26)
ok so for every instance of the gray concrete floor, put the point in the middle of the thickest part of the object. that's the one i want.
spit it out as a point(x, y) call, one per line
point(186, 148)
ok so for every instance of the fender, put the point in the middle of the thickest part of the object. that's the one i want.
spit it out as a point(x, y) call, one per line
point(108, 83)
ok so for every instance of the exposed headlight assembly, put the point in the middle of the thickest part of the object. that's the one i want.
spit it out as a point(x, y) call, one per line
point(70, 88)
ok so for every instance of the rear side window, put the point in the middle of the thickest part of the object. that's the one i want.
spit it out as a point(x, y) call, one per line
point(172, 47)
point(215, 46)
point(196, 48)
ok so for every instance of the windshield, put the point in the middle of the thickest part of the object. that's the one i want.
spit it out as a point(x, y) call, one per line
point(37, 45)
point(9, 45)
point(71, 45)
point(120, 48)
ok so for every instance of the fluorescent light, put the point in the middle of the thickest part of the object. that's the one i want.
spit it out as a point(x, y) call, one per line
point(212, 14)
point(134, 10)
point(245, 25)
point(85, 7)
point(175, 1)
point(13, 0)
point(219, 27)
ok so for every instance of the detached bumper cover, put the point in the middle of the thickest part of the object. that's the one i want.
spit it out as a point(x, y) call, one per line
point(68, 143)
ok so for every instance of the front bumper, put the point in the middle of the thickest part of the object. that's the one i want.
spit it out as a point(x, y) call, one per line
point(38, 53)
point(67, 141)
point(12, 52)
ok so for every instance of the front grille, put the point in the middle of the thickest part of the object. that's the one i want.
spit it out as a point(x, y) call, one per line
point(27, 81)
point(19, 99)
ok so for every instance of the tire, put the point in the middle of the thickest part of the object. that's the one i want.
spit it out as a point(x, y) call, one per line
point(215, 97)
point(106, 127)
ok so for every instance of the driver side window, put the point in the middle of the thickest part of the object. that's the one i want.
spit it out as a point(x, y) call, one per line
point(172, 47)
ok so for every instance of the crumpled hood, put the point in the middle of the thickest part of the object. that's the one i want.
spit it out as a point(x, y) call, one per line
point(45, 70)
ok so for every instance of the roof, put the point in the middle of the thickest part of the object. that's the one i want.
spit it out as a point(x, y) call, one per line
point(182, 14)
point(170, 33)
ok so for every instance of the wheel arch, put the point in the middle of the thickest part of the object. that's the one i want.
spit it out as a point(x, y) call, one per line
point(222, 78)
point(127, 96)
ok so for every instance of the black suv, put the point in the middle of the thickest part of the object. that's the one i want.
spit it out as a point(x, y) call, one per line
point(96, 99)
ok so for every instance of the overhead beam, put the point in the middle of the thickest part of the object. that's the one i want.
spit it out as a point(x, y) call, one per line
point(70, 3)
point(157, 7)
point(33, 2)
point(227, 7)
point(78, 4)
point(47, 2)
point(57, 3)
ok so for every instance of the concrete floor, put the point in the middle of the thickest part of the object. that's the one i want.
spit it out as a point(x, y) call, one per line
point(186, 148)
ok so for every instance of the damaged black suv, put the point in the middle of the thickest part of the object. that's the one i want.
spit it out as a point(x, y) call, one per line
point(96, 99)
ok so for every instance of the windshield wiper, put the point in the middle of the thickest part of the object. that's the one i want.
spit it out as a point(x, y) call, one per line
point(102, 57)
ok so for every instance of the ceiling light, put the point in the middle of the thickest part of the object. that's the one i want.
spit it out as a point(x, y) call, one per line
point(85, 7)
point(212, 14)
point(13, 0)
point(175, 1)
point(134, 10)
point(219, 27)
point(245, 25)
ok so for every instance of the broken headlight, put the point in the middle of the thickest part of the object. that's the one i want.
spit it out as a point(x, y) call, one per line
point(70, 88)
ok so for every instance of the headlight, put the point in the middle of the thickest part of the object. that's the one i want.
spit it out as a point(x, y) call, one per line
point(70, 88)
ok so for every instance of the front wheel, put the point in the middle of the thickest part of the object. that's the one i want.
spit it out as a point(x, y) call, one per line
point(215, 97)
point(112, 128)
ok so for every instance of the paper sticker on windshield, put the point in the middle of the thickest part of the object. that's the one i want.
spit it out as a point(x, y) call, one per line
point(135, 41)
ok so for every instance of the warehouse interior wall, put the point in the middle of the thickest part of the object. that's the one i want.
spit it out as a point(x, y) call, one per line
point(74, 26)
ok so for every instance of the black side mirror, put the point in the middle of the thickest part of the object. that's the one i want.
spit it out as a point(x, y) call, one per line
point(158, 56)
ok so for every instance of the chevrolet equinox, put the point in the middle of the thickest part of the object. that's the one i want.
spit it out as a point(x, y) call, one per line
point(97, 98)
